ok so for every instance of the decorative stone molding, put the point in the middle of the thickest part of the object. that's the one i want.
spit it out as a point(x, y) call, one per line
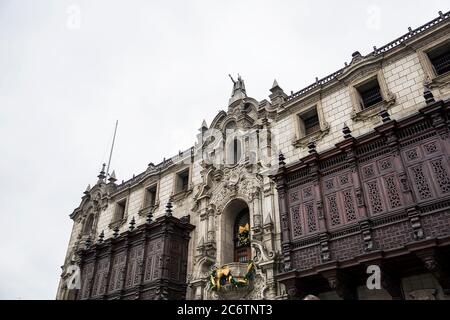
point(262, 254)
point(237, 183)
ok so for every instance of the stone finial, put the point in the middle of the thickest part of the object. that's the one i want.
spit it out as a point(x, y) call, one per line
point(384, 114)
point(88, 242)
point(281, 159)
point(169, 207)
point(441, 14)
point(132, 224)
point(312, 146)
point(101, 237)
point(275, 83)
point(116, 232)
point(88, 188)
point(277, 96)
point(204, 126)
point(102, 176)
point(346, 131)
point(112, 177)
point(428, 95)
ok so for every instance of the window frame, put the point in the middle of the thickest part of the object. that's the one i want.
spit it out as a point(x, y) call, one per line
point(388, 98)
point(146, 196)
point(85, 231)
point(431, 79)
point(115, 218)
point(301, 139)
point(176, 190)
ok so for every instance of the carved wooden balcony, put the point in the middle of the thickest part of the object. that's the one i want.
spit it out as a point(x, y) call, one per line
point(383, 195)
point(147, 262)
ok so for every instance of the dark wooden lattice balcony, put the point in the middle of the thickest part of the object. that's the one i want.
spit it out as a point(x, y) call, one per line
point(148, 263)
point(382, 198)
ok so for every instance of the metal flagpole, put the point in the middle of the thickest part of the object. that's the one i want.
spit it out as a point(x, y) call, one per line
point(112, 147)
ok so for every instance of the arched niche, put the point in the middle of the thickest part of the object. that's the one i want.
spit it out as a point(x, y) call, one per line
point(88, 225)
point(234, 214)
point(233, 149)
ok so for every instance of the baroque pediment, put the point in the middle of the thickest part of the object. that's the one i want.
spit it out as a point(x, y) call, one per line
point(236, 183)
point(95, 199)
point(360, 68)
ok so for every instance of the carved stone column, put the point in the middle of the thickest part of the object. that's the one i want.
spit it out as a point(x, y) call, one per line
point(211, 221)
point(257, 216)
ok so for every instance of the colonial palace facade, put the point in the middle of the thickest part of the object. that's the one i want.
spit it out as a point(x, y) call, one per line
point(310, 192)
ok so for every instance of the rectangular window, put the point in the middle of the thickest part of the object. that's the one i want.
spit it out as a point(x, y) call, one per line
point(440, 59)
point(309, 122)
point(182, 183)
point(370, 93)
point(150, 196)
point(120, 210)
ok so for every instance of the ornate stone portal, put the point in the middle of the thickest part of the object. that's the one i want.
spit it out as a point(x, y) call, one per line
point(226, 190)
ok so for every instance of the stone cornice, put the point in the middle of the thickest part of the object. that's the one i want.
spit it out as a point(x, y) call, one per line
point(378, 55)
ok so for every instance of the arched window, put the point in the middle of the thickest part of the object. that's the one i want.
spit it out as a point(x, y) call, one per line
point(232, 144)
point(242, 251)
point(88, 225)
point(236, 153)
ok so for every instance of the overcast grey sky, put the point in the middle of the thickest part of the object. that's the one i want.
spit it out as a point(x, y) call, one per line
point(69, 69)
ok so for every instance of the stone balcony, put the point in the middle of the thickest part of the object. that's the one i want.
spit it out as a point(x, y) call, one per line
point(229, 291)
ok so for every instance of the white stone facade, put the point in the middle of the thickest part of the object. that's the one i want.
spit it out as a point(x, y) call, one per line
point(214, 190)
